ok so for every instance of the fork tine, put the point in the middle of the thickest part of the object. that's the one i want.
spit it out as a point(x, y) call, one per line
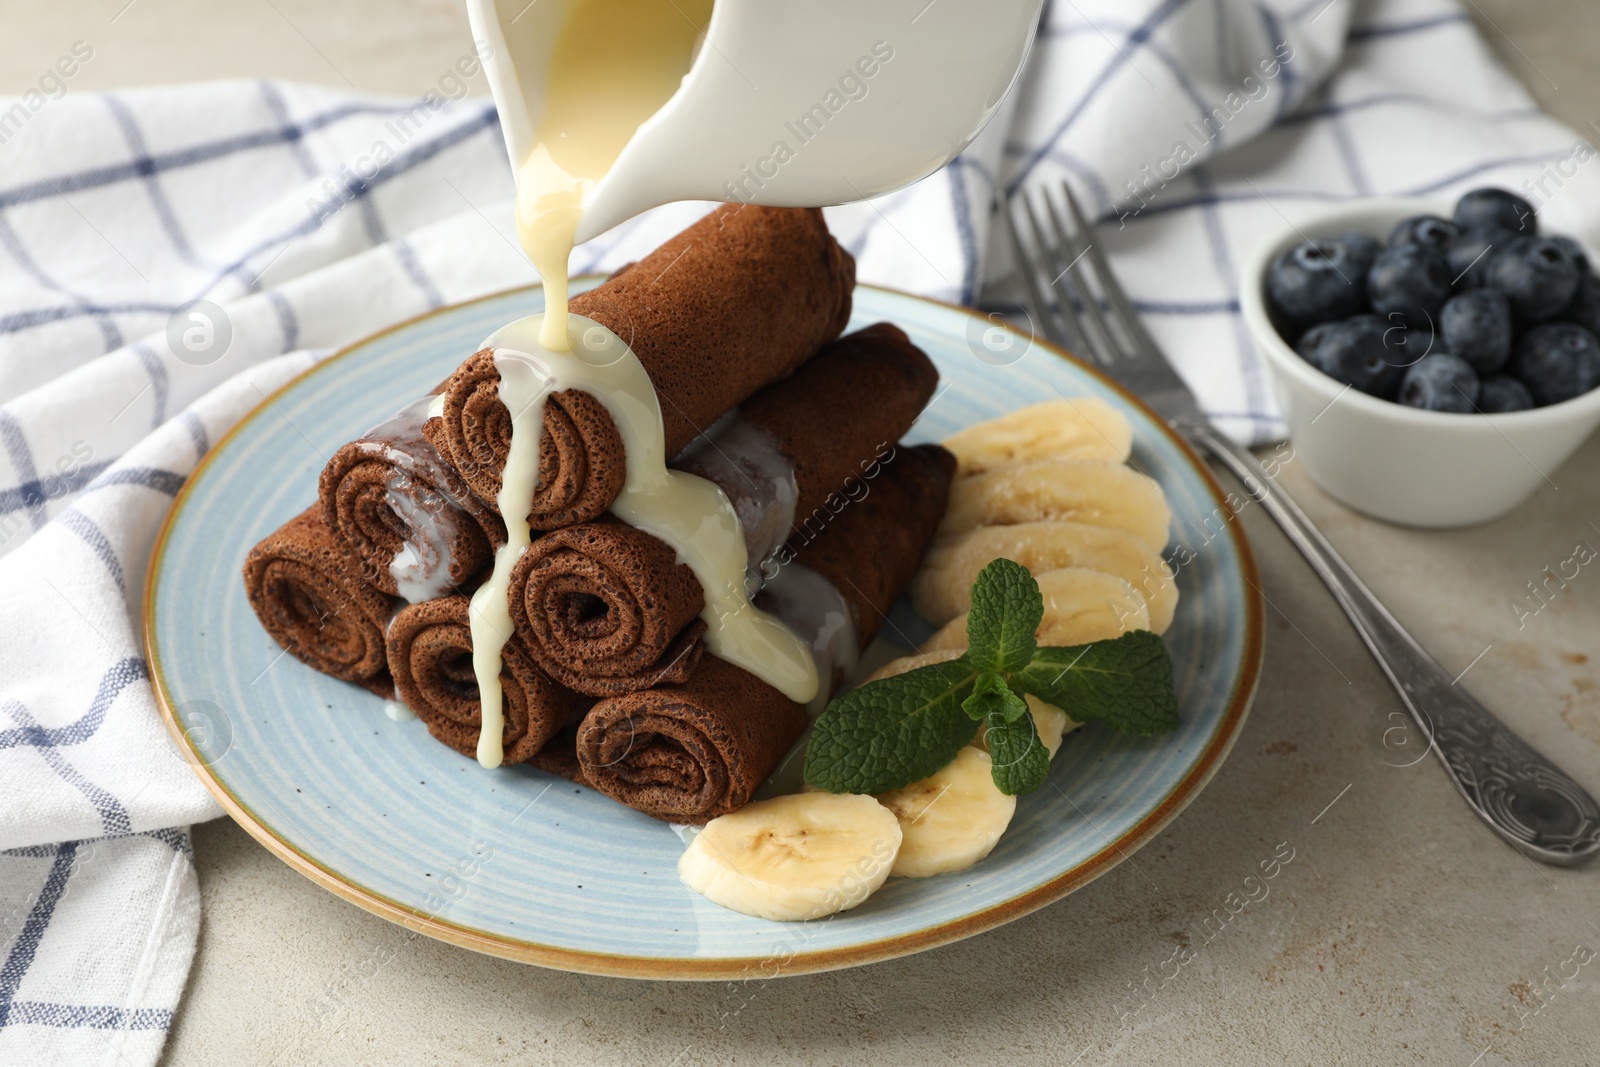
point(1069, 293)
point(1045, 263)
point(1033, 296)
point(1108, 349)
point(1091, 348)
point(1144, 345)
point(1067, 299)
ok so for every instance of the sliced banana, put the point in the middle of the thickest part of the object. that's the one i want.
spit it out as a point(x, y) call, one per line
point(1052, 723)
point(942, 589)
point(1078, 428)
point(1080, 606)
point(951, 820)
point(918, 659)
point(794, 857)
point(1095, 492)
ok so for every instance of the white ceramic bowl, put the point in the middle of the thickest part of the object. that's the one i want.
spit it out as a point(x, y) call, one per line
point(1398, 463)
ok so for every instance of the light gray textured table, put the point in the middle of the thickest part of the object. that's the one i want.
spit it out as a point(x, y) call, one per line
point(1401, 932)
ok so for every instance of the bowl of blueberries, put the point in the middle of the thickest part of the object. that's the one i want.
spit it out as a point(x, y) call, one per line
point(1434, 362)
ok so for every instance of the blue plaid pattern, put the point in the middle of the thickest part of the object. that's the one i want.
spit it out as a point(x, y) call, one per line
point(49, 892)
point(311, 217)
point(115, 210)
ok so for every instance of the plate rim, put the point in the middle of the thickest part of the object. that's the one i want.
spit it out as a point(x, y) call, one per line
point(678, 968)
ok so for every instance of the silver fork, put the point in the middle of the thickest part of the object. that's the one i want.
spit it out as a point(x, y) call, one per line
point(1528, 800)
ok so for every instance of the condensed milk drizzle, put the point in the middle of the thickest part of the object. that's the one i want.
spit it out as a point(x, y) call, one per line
point(686, 511)
point(613, 65)
point(421, 565)
point(746, 462)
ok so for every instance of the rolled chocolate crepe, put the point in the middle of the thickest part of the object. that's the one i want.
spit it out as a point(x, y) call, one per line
point(410, 523)
point(430, 655)
point(870, 549)
point(606, 609)
point(309, 597)
point(559, 756)
point(823, 429)
point(691, 752)
point(733, 303)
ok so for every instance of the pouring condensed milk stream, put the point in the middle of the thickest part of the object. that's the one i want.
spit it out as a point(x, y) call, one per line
point(615, 63)
point(611, 107)
point(613, 66)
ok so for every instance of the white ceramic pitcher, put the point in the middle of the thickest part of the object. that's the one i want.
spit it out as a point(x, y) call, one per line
point(791, 103)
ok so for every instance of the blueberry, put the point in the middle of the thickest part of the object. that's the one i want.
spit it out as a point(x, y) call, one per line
point(1404, 344)
point(1440, 382)
point(1537, 275)
point(1501, 393)
point(1486, 208)
point(1558, 361)
point(1585, 307)
point(1574, 249)
point(1353, 351)
point(1470, 254)
point(1408, 284)
point(1362, 248)
point(1429, 231)
point(1315, 281)
point(1476, 325)
point(1313, 339)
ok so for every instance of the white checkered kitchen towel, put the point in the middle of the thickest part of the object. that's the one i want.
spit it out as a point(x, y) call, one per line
point(312, 217)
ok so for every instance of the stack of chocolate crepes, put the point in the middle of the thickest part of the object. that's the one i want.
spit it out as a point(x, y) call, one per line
point(606, 677)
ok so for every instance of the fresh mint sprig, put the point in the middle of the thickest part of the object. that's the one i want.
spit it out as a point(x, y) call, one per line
point(1007, 608)
point(895, 731)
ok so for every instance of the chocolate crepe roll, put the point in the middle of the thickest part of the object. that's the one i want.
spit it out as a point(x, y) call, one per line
point(430, 655)
point(606, 609)
point(733, 303)
point(821, 430)
point(308, 596)
point(870, 549)
point(691, 752)
point(559, 756)
point(408, 520)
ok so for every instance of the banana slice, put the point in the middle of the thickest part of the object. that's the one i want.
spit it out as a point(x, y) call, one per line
point(1052, 723)
point(951, 820)
point(918, 659)
point(942, 589)
point(794, 857)
point(1089, 491)
point(1080, 606)
point(1080, 428)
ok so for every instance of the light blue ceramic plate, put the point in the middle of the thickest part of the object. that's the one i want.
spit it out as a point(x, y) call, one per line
point(520, 864)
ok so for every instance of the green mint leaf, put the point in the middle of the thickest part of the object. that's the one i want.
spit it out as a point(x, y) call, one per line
point(1014, 707)
point(1125, 683)
point(1021, 761)
point(1006, 609)
point(990, 697)
point(892, 732)
point(988, 694)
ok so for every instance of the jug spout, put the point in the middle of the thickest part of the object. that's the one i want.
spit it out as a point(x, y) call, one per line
point(786, 103)
point(519, 38)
